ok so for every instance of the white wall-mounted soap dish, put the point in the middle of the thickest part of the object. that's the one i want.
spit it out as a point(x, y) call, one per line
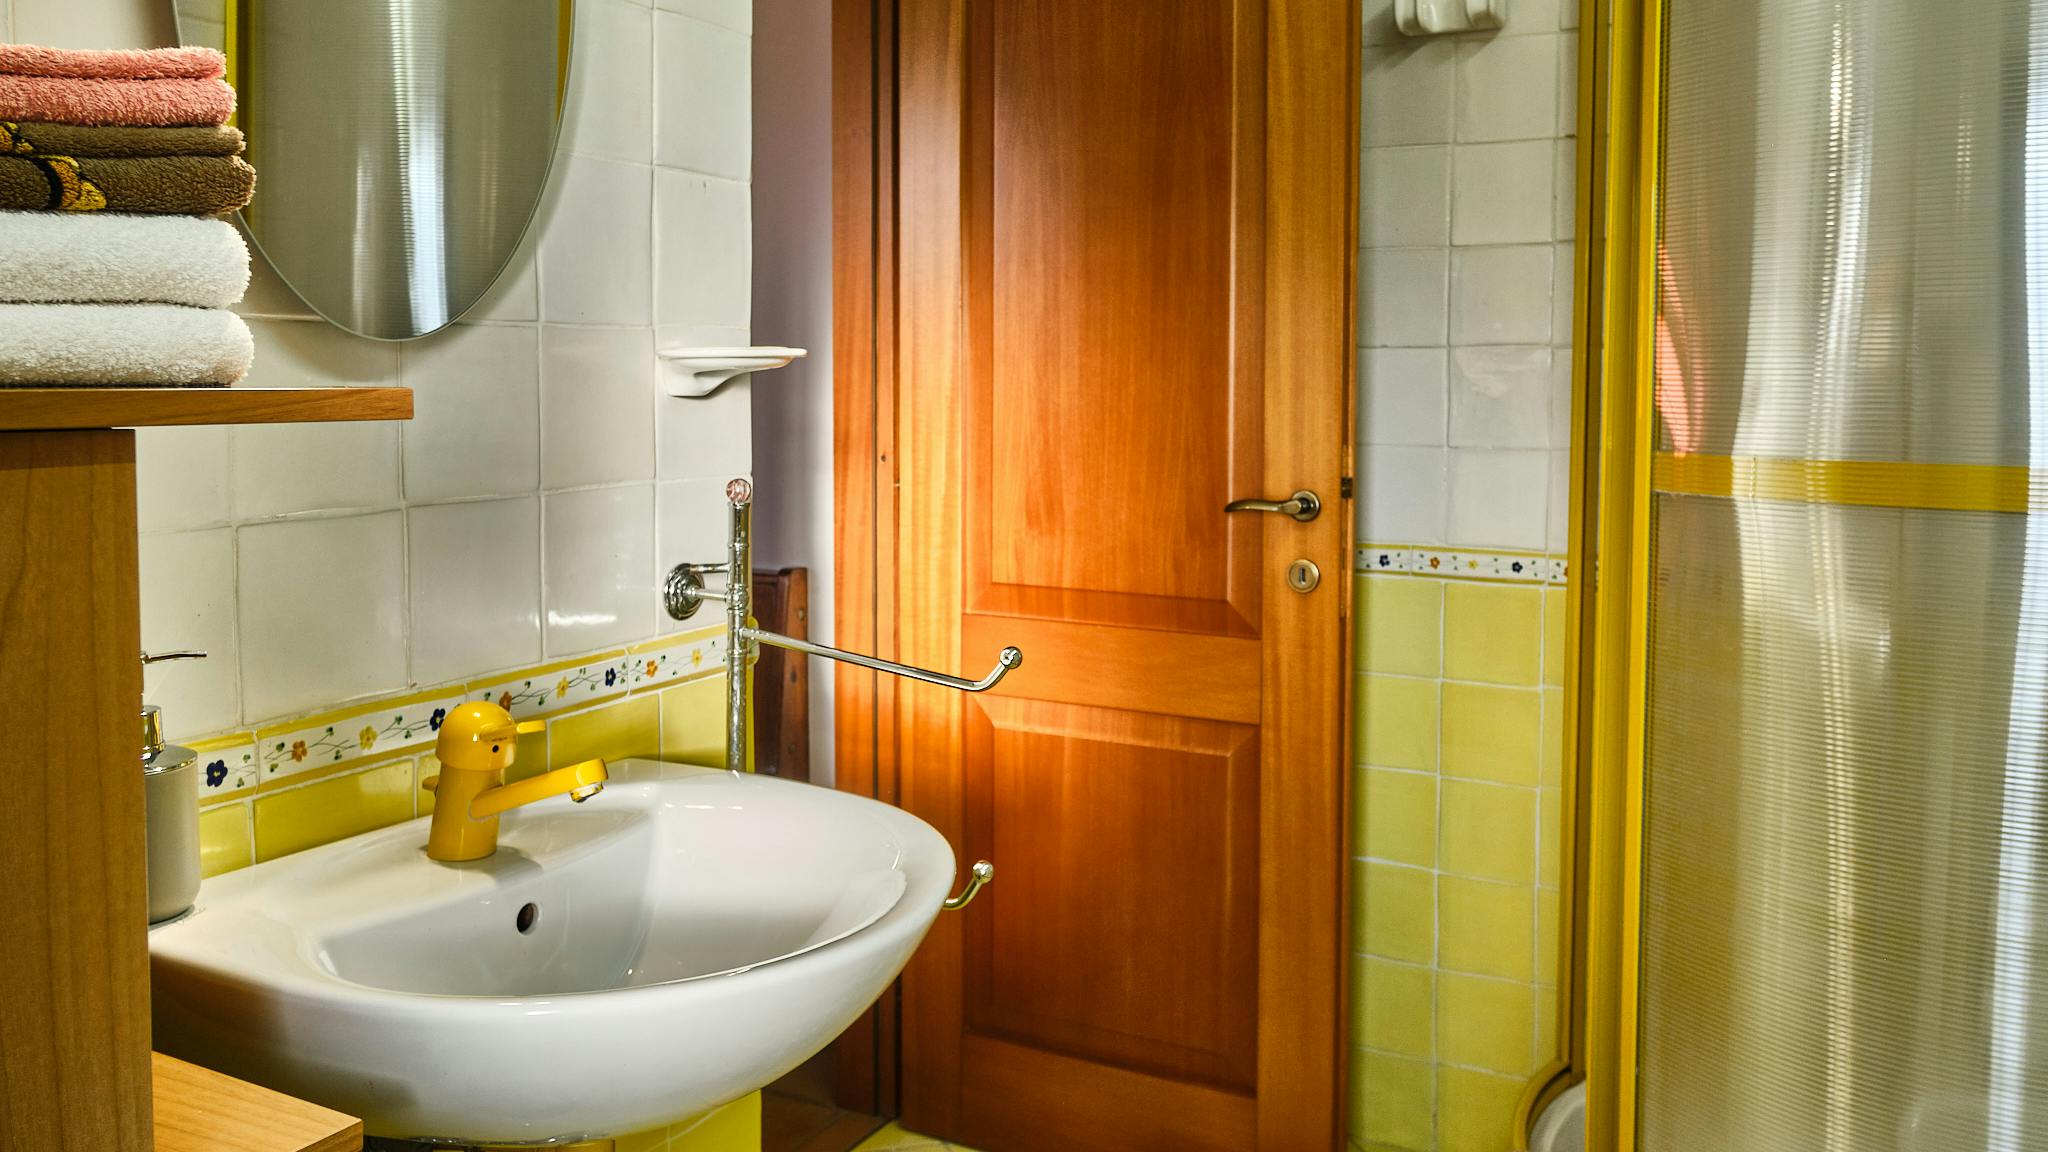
point(699, 371)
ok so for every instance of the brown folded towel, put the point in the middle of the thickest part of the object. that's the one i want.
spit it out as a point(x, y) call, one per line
point(166, 185)
point(29, 138)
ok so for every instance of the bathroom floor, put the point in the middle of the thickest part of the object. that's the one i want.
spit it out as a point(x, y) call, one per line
point(896, 1138)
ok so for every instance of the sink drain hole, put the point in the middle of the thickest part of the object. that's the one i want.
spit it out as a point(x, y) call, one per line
point(529, 915)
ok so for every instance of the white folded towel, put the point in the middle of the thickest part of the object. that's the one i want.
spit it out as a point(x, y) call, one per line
point(114, 344)
point(99, 257)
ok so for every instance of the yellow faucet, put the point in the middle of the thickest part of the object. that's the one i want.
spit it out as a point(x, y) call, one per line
point(478, 742)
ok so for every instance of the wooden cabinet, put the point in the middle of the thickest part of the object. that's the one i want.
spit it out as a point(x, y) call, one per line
point(75, 1070)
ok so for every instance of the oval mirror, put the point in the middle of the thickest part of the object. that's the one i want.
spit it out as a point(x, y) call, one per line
point(400, 149)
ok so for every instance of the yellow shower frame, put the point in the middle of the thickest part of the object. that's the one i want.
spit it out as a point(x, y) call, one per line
point(1616, 472)
point(1620, 133)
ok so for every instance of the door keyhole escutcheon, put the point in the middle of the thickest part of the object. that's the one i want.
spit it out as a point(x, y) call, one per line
point(1303, 576)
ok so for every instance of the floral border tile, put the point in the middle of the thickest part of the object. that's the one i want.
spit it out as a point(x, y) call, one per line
point(1529, 567)
point(379, 728)
point(574, 683)
point(227, 765)
point(375, 730)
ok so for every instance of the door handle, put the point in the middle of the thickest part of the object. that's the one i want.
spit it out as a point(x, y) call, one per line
point(1303, 506)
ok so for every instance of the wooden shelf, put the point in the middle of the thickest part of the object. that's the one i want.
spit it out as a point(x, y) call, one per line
point(199, 1110)
point(23, 409)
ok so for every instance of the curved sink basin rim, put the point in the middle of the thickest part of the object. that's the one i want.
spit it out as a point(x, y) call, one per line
point(686, 937)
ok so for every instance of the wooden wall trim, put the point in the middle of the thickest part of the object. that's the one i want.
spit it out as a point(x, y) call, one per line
point(1312, 62)
point(74, 959)
point(863, 432)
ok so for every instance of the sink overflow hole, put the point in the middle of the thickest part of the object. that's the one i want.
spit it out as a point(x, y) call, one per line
point(529, 915)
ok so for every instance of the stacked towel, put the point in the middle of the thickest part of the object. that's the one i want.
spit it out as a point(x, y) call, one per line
point(110, 272)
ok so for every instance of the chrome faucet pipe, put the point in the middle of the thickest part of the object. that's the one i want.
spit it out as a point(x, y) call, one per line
point(1009, 659)
point(739, 492)
point(684, 592)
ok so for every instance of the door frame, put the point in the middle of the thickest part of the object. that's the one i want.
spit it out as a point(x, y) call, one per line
point(1313, 65)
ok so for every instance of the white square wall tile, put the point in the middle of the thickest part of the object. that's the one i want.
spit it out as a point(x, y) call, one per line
point(703, 97)
point(1501, 295)
point(1500, 397)
point(1502, 193)
point(268, 294)
point(595, 244)
point(1567, 85)
point(599, 584)
point(706, 435)
point(611, 95)
point(1378, 23)
point(285, 468)
point(595, 387)
point(1564, 194)
point(1404, 196)
point(1402, 396)
point(1563, 271)
point(1560, 532)
point(1530, 17)
point(181, 477)
point(475, 575)
point(737, 15)
point(694, 527)
point(1401, 297)
point(703, 247)
point(188, 601)
point(475, 429)
point(1498, 498)
point(1403, 501)
point(322, 612)
point(1561, 398)
point(1408, 93)
point(1507, 88)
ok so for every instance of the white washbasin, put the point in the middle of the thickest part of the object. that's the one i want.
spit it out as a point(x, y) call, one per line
point(690, 935)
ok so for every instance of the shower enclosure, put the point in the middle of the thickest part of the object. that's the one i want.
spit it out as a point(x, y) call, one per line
point(1842, 943)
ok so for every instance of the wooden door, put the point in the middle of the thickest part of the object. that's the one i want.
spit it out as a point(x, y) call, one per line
point(1111, 292)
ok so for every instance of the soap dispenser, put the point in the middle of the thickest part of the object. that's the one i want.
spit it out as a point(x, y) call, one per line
point(170, 777)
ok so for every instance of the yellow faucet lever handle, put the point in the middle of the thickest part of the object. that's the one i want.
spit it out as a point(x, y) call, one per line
point(431, 783)
point(529, 727)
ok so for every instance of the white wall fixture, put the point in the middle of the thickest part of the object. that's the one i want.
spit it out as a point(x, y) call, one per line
point(1432, 17)
point(699, 371)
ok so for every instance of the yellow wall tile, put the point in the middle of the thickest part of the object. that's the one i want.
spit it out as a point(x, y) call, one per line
point(1548, 941)
point(224, 839)
point(736, 1127)
point(1485, 1024)
point(618, 731)
point(1492, 733)
point(1545, 1002)
point(1396, 816)
point(1487, 831)
point(1476, 1111)
point(1393, 1102)
point(1550, 844)
point(652, 1140)
point(1397, 722)
point(1392, 1006)
point(322, 812)
point(1553, 636)
point(1493, 633)
point(1485, 928)
point(693, 722)
point(1400, 625)
point(1399, 913)
point(1550, 761)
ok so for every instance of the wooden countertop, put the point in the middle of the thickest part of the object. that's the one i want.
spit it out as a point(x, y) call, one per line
point(199, 1110)
point(23, 409)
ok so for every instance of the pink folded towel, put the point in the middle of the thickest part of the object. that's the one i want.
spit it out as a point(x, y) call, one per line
point(113, 64)
point(141, 103)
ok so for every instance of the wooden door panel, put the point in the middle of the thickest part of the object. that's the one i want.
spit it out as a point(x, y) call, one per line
point(1160, 912)
point(1135, 669)
point(1104, 180)
point(1072, 1105)
point(1122, 266)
